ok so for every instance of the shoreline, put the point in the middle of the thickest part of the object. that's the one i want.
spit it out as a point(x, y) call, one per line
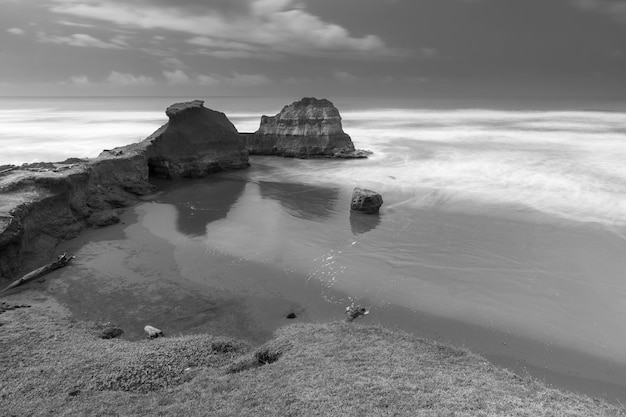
point(356, 369)
point(138, 281)
point(244, 315)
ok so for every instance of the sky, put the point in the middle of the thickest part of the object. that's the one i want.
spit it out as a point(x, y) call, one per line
point(393, 48)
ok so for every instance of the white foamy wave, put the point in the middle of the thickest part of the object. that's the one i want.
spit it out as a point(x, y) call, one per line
point(564, 164)
point(567, 164)
point(48, 134)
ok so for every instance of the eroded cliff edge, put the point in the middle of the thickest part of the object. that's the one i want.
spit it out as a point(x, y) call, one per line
point(40, 207)
point(303, 129)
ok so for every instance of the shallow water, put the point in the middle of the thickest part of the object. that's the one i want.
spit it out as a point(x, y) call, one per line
point(234, 254)
point(502, 230)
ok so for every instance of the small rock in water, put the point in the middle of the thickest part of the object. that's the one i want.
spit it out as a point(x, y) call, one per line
point(366, 201)
point(291, 316)
point(153, 332)
point(353, 311)
point(111, 333)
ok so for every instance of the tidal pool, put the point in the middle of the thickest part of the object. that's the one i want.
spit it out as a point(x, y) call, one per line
point(235, 253)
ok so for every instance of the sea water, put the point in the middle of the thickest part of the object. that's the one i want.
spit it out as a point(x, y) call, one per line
point(505, 216)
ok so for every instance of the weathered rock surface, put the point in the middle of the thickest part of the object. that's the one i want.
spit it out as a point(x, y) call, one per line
point(303, 129)
point(41, 205)
point(195, 142)
point(365, 201)
point(103, 218)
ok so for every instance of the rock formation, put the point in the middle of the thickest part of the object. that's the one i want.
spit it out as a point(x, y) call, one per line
point(41, 206)
point(196, 141)
point(366, 201)
point(306, 128)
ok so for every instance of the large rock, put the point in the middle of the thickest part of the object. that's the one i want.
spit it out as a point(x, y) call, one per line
point(365, 201)
point(195, 142)
point(44, 204)
point(306, 128)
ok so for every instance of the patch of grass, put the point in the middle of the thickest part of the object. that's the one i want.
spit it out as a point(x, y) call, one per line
point(162, 363)
point(53, 366)
point(264, 355)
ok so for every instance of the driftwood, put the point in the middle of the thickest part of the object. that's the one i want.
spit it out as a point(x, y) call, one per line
point(61, 261)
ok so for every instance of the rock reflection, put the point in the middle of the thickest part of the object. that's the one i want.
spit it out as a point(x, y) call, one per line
point(305, 201)
point(363, 223)
point(201, 202)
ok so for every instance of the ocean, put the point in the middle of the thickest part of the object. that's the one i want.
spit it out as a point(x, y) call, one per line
point(503, 228)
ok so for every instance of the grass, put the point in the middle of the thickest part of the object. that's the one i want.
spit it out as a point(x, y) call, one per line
point(52, 365)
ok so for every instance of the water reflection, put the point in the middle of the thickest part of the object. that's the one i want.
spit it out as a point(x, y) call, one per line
point(303, 201)
point(363, 223)
point(202, 202)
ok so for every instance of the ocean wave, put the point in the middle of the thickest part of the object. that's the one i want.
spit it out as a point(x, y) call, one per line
point(567, 164)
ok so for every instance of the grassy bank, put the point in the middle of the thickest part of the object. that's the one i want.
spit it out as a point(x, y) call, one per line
point(53, 365)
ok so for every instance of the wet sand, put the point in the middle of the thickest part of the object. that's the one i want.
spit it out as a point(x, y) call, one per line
point(202, 258)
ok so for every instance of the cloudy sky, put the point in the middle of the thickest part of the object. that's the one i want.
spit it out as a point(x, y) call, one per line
point(291, 47)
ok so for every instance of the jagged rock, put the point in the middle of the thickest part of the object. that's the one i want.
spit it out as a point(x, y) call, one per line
point(291, 316)
point(352, 154)
point(366, 201)
point(306, 128)
point(194, 143)
point(179, 108)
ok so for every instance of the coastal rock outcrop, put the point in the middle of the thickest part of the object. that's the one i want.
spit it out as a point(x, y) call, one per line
point(195, 142)
point(303, 129)
point(365, 201)
point(42, 205)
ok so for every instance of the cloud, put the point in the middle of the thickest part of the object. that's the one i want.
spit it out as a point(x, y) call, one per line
point(74, 24)
point(176, 77)
point(207, 80)
point(345, 76)
point(173, 63)
point(79, 80)
point(235, 79)
point(247, 80)
point(16, 31)
point(220, 48)
point(119, 78)
point(246, 28)
point(429, 53)
point(235, 54)
point(220, 43)
point(83, 40)
point(613, 8)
